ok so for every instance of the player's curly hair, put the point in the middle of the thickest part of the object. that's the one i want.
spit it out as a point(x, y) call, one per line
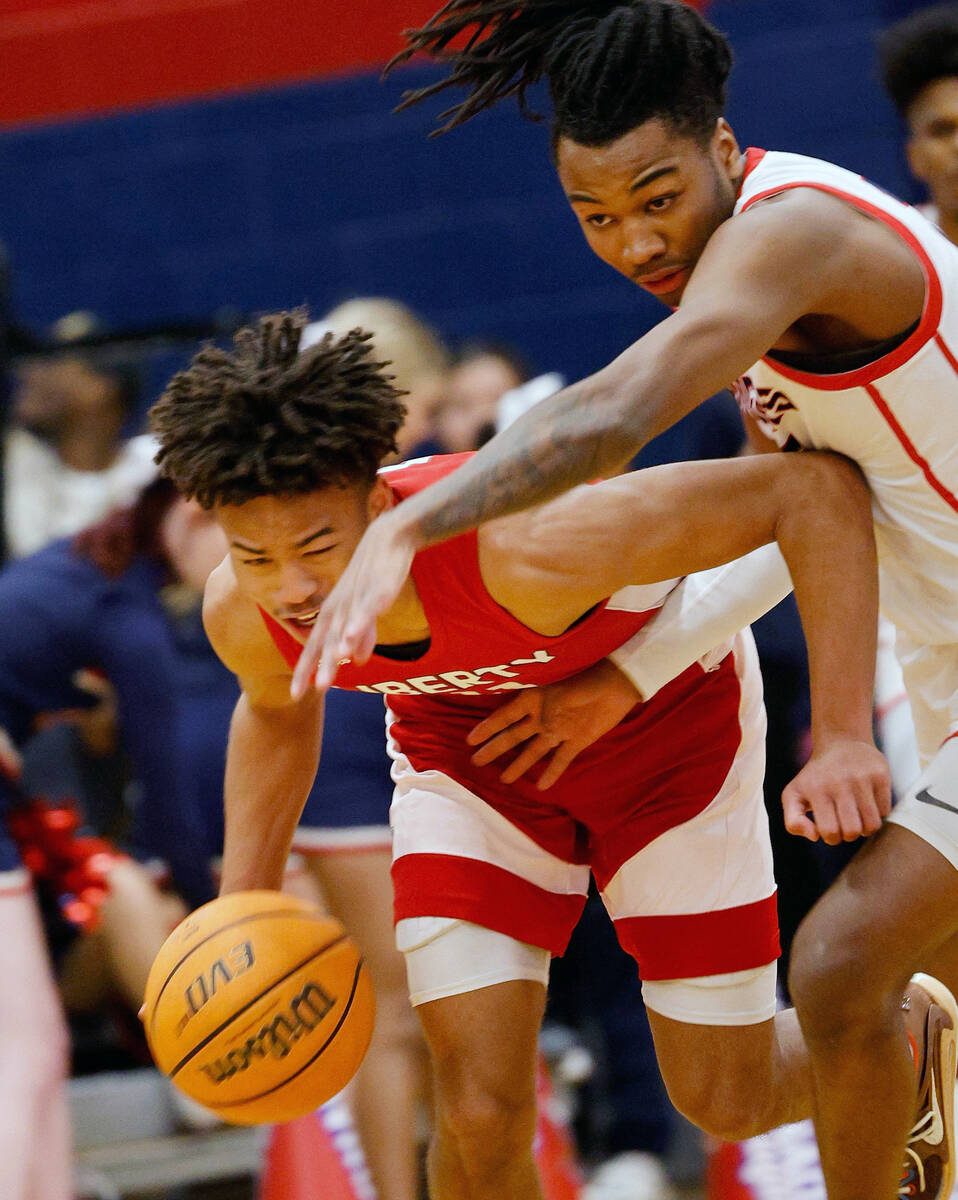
point(611, 65)
point(917, 51)
point(264, 419)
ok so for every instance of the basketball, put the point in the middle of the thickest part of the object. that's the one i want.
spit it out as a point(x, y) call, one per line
point(259, 1007)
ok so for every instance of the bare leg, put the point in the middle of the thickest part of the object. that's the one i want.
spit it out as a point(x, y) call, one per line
point(136, 919)
point(483, 1050)
point(35, 1138)
point(735, 1081)
point(388, 1088)
point(884, 918)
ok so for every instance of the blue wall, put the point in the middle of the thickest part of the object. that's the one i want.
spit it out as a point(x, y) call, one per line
point(316, 192)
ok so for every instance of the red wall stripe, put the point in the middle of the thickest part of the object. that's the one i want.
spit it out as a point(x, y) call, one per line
point(75, 57)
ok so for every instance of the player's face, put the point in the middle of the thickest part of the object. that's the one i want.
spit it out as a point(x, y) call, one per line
point(933, 143)
point(289, 551)
point(649, 201)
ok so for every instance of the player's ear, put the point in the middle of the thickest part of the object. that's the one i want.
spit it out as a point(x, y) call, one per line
point(379, 500)
point(725, 149)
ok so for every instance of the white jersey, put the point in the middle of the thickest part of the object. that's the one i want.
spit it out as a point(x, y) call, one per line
point(897, 417)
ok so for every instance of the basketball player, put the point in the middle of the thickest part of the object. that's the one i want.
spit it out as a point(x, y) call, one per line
point(920, 71)
point(836, 309)
point(667, 810)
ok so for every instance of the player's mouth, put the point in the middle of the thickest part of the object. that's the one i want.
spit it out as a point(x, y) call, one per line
point(304, 622)
point(663, 283)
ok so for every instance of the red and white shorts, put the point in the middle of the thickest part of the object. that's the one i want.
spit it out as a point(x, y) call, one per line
point(666, 811)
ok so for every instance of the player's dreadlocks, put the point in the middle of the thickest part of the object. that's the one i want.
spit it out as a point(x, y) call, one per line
point(610, 65)
point(264, 419)
point(917, 51)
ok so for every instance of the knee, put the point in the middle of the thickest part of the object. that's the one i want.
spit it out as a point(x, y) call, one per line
point(838, 983)
point(723, 1104)
point(491, 1127)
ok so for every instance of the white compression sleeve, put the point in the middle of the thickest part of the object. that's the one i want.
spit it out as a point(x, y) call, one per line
point(701, 615)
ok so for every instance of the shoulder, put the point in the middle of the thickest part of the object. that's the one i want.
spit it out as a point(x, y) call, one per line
point(237, 632)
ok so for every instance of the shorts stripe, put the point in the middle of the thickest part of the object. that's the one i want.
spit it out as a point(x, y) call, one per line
point(347, 840)
point(689, 945)
point(447, 885)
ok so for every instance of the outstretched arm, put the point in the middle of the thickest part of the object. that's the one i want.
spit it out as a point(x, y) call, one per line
point(737, 304)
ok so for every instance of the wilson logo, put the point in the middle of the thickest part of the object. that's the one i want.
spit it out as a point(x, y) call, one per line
point(276, 1037)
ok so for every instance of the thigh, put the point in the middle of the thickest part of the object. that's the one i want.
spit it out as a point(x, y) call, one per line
point(892, 908)
point(485, 1041)
point(358, 890)
point(456, 856)
point(699, 899)
point(713, 1065)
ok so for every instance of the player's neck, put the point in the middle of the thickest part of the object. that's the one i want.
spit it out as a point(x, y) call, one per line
point(405, 620)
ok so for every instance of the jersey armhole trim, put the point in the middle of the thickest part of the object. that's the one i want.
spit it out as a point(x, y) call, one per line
point(931, 310)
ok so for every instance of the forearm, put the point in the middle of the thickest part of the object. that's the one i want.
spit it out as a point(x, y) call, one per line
point(705, 611)
point(824, 530)
point(585, 432)
point(271, 763)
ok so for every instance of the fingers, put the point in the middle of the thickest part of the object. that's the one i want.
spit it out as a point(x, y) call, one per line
point(503, 742)
point(310, 654)
point(537, 748)
point(516, 710)
point(796, 816)
point(556, 766)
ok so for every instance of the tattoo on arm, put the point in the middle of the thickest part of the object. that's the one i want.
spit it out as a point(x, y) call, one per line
point(566, 440)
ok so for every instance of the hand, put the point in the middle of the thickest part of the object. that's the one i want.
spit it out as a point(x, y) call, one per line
point(346, 625)
point(842, 793)
point(560, 718)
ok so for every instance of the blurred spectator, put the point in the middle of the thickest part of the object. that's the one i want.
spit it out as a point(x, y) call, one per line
point(919, 61)
point(96, 603)
point(418, 361)
point(66, 461)
point(481, 374)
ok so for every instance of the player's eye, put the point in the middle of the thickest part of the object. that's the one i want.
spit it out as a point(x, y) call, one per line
point(599, 220)
point(660, 203)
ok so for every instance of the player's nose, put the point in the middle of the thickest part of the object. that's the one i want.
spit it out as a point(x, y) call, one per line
point(642, 245)
point(294, 586)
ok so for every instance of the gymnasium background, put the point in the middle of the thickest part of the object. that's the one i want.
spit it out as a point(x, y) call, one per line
point(167, 160)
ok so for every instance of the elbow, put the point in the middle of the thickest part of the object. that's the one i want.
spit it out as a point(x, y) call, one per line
point(831, 485)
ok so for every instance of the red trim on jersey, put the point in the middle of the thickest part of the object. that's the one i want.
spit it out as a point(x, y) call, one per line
point(686, 945)
point(931, 312)
point(949, 738)
point(753, 156)
point(447, 885)
point(906, 444)
point(949, 357)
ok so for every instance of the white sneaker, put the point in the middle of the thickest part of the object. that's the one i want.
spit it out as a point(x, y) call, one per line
point(634, 1175)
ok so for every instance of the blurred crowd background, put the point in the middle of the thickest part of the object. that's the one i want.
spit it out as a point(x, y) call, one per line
point(171, 169)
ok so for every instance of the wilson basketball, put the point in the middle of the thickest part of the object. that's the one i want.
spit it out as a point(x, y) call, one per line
point(259, 1007)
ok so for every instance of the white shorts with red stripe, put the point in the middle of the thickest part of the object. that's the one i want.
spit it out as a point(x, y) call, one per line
point(678, 843)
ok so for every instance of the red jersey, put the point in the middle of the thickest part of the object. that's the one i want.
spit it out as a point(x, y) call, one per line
point(478, 653)
point(477, 650)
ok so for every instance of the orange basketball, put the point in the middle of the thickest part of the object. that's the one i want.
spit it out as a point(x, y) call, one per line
point(259, 1007)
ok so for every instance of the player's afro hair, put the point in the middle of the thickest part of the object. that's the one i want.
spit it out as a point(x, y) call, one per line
point(610, 66)
point(264, 419)
point(917, 51)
